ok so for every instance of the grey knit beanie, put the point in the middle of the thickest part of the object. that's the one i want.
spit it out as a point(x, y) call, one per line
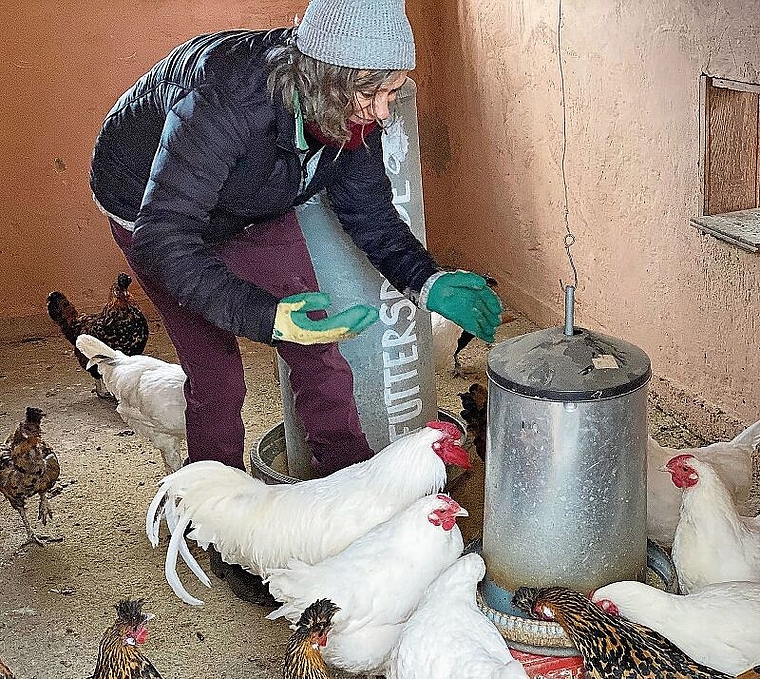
point(371, 34)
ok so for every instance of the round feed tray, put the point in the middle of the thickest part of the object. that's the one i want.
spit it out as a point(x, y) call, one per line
point(269, 460)
point(542, 637)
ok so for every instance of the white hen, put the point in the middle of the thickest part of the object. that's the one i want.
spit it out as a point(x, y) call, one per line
point(731, 459)
point(713, 543)
point(446, 334)
point(718, 626)
point(150, 395)
point(447, 637)
point(377, 581)
point(262, 526)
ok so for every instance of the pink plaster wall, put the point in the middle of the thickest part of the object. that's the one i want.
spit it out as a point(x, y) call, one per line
point(64, 64)
point(632, 81)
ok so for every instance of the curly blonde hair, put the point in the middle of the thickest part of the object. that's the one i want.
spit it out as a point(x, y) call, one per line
point(327, 93)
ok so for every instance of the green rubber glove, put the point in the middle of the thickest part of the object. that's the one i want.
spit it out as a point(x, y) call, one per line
point(291, 324)
point(464, 298)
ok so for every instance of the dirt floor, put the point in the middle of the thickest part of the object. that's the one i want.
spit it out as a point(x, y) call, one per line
point(55, 601)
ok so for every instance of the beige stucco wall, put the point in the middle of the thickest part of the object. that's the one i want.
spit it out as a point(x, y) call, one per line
point(632, 81)
point(490, 128)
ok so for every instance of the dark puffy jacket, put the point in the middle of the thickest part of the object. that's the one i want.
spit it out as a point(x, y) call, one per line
point(197, 150)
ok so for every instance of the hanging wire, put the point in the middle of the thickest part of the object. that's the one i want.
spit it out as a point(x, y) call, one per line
point(569, 239)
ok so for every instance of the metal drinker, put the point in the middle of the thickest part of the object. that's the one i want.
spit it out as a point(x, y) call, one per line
point(565, 496)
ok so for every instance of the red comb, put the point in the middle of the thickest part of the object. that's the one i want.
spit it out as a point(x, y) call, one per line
point(450, 501)
point(679, 458)
point(448, 427)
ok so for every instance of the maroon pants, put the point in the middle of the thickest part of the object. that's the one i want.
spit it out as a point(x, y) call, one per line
point(274, 257)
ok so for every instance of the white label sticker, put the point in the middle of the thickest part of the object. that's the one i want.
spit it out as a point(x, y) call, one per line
point(605, 362)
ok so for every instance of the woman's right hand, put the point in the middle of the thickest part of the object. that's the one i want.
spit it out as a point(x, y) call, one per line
point(291, 324)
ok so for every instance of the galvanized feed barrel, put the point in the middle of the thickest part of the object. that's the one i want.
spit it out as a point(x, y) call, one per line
point(565, 497)
point(392, 361)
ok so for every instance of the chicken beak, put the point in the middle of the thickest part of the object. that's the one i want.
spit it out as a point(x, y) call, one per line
point(664, 468)
point(462, 512)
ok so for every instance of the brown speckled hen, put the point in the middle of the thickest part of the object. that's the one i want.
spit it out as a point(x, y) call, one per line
point(5, 672)
point(751, 673)
point(119, 653)
point(612, 648)
point(120, 324)
point(28, 467)
point(303, 659)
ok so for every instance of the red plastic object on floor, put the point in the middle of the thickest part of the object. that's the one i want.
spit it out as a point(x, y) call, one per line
point(550, 667)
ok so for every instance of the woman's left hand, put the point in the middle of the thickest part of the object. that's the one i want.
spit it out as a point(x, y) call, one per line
point(465, 298)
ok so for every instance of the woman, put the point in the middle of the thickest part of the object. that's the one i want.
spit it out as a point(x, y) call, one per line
point(198, 167)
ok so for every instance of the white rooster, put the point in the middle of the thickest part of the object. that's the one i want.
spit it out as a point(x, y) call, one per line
point(447, 637)
point(731, 459)
point(150, 395)
point(718, 626)
point(261, 526)
point(377, 581)
point(713, 543)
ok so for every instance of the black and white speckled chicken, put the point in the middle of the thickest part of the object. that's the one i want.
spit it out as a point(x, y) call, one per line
point(303, 659)
point(120, 324)
point(449, 340)
point(28, 467)
point(611, 647)
point(119, 653)
point(474, 413)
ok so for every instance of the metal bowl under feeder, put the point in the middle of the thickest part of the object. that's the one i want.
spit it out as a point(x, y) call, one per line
point(565, 484)
point(269, 457)
point(543, 637)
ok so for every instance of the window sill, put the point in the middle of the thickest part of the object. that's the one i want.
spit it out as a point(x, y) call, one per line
point(740, 228)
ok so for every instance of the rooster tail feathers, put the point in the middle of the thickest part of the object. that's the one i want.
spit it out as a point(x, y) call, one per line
point(177, 545)
point(750, 436)
point(63, 313)
point(170, 567)
point(158, 508)
point(171, 503)
point(155, 512)
point(172, 522)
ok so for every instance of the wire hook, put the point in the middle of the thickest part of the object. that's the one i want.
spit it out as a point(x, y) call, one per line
point(569, 239)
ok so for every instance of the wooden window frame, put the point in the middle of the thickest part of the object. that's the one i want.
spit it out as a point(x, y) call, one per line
point(730, 161)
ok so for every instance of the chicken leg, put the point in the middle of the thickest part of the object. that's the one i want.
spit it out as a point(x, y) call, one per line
point(41, 540)
point(101, 391)
point(44, 512)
